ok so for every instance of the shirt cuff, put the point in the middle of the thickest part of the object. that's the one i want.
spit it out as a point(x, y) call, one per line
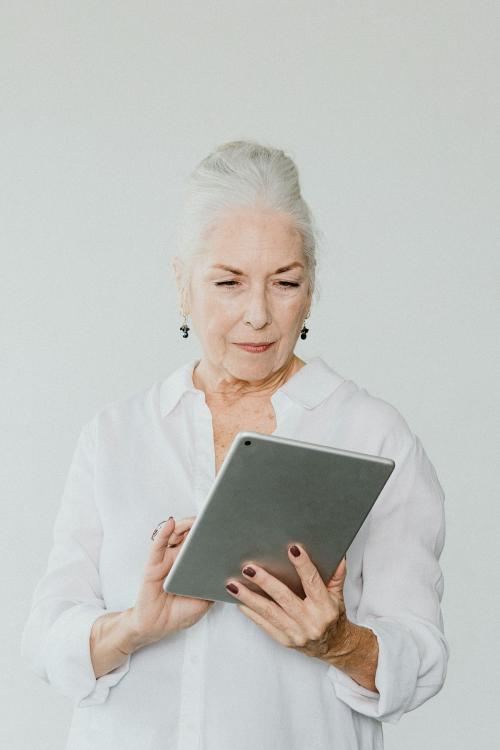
point(68, 659)
point(395, 678)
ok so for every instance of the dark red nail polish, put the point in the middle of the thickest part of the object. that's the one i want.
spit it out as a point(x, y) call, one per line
point(295, 550)
point(248, 571)
point(231, 587)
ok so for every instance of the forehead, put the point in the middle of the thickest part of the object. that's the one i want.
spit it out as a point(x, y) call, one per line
point(246, 230)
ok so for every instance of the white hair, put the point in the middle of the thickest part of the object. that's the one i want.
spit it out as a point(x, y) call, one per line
point(241, 174)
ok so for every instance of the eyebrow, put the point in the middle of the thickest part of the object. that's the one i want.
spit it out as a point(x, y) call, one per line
point(237, 272)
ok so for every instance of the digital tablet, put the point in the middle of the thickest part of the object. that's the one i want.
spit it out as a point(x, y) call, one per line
point(270, 492)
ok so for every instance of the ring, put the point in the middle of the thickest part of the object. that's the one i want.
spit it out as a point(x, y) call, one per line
point(157, 530)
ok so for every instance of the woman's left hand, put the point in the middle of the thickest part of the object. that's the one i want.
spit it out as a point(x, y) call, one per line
point(316, 625)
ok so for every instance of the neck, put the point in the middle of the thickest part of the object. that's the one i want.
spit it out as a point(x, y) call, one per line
point(218, 383)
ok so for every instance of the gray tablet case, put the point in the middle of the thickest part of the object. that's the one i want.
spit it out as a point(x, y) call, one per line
point(270, 492)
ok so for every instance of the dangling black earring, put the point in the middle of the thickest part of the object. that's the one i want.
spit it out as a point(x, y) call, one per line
point(303, 333)
point(184, 328)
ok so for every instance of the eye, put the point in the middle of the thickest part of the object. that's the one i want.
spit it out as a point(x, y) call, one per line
point(232, 282)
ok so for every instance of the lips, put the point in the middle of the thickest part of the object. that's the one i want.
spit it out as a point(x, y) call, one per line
point(255, 348)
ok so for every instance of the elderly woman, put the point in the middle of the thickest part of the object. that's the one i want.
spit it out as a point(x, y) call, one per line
point(147, 670)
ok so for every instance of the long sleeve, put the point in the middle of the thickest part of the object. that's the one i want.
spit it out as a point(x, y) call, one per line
point(402, 587)
point(55, 641)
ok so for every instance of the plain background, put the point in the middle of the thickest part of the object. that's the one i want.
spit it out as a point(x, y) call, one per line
point(391, 112)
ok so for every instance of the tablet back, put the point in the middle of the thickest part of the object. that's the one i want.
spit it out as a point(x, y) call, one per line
point(269, 493)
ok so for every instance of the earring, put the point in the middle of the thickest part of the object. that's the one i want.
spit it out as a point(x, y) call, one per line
point(304, 331)
point(184, 328)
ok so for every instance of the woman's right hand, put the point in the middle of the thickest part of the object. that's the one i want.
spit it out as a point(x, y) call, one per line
point(157, 613)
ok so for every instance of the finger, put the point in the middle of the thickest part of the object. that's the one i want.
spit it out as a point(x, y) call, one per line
point(275, 633)
point(312, 583)
point(176, 538)
point(335, 584)
point(292, 604)
point(184, 524)
point(266, 608)
point(182, 527)
point(161, 541)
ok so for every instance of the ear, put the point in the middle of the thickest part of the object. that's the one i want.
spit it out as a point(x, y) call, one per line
point(309, 301)
point(178, 268)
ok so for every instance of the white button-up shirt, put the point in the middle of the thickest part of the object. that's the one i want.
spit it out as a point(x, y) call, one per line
point(224, 683)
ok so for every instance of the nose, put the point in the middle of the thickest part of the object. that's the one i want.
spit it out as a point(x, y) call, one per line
point(258, 313)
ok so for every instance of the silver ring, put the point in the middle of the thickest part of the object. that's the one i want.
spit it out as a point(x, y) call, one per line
point(157, 529)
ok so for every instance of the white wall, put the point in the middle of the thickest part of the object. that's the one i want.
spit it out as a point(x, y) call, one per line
point(391, 111)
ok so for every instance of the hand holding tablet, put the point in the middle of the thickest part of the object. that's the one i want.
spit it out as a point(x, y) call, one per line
point(272, 492)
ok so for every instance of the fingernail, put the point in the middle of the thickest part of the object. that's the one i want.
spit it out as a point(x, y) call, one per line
point(248, 571)
point(231, 587)
point(295, 550)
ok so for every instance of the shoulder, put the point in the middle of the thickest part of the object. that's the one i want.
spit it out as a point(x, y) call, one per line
point(394, 438)
point(392, 434)
point(375, 414)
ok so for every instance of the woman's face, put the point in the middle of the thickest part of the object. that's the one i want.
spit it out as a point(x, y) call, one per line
point(249, 286)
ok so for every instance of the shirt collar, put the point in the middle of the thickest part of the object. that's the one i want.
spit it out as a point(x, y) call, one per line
point(308, 387)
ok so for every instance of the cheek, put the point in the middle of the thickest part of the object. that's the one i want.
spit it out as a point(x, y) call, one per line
point(226, 307)
point(290, 315)
point(218, 318)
